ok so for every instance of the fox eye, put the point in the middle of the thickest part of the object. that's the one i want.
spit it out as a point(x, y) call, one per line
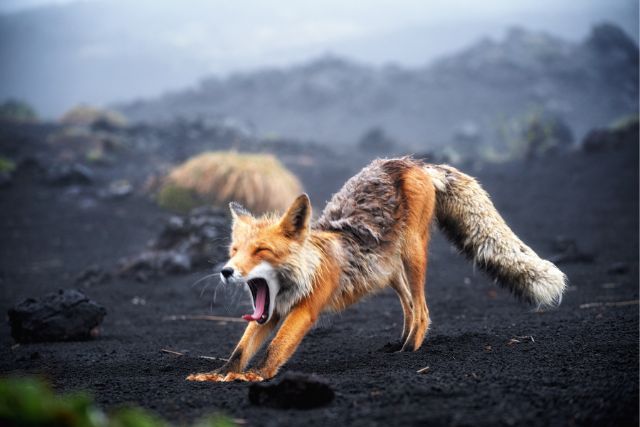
point(234, 250)
point(263, 250)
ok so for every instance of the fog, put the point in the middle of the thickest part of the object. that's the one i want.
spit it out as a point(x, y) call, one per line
point(56, 54)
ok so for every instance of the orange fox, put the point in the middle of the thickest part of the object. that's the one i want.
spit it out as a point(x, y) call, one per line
point(373, 233)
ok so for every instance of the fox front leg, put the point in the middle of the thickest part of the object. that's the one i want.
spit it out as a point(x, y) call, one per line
point(298, 322)
point(286, 341)
point(251, 341)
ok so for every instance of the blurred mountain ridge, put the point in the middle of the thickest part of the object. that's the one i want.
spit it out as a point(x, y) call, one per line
point(336, 100)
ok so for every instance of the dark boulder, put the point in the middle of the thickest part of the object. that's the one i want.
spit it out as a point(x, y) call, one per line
point(292, 391)
point(185, 244)
point(625, 132)
point(70, 174)
point(65, 315)
point(117, 190)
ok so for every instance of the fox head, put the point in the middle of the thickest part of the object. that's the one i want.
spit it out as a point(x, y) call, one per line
point(262, 251)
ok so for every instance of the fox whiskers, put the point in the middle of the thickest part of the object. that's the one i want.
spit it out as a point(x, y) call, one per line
point(208, 276)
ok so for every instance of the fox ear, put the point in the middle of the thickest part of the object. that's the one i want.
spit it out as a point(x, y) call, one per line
point(237, 210)
point(296, 221)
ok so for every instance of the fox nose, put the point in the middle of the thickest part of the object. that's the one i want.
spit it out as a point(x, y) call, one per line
point(227, 272)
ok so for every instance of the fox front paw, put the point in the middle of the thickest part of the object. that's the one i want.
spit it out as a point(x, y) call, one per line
point(243, 376)
point(231, 376)
point(206, 376)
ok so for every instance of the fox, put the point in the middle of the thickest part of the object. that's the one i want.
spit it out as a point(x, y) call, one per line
point(373, 233)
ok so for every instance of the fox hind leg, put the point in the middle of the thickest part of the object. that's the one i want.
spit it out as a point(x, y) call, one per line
point(401, 286)
point(415, 263)
point(420, 203)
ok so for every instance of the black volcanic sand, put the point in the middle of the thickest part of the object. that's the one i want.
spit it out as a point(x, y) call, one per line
point(579, 368)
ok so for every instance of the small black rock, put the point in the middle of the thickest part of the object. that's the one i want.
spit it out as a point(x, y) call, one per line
point(65, 315)
point(70, 174)
point(292, 391)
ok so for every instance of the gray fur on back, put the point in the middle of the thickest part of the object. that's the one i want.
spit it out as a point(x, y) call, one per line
point(366, 207)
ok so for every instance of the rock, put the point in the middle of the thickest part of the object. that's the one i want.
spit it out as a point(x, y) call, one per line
point(185, 243)
point(70, 174)
point(624, 132)
point(596, 140)
point(175, 263)
point(140, 266)
point(544, 132)
point(65, 315)
point(155, 263)
point(174, 231)
point(118, 189)
point(292, 391)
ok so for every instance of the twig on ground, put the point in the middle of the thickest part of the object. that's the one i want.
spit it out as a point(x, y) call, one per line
point(177, 353)
point(610, 304)
point(422, 370)
point(520, 338)
point(203, 317)
point(213, 358)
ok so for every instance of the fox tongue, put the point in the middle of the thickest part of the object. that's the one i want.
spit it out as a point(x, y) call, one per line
point(260, 302)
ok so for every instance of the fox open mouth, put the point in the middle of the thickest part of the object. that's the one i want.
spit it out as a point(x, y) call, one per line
point(260, 294)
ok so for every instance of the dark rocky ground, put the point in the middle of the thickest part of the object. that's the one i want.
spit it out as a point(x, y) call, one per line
point(492, 361)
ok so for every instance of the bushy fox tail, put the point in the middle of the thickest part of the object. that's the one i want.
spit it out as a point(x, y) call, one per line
point(466, 215)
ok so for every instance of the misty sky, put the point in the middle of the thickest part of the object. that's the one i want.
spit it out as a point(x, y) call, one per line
point(57, 53)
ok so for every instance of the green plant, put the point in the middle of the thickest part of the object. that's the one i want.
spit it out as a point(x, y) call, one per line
point(16, 110)
point(532, 134)
point(178, 199)
point(29, 402)
point(625, 122)
point(6, 165)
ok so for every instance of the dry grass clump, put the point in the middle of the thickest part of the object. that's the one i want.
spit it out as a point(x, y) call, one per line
point(85, 115)
point(258, 181)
